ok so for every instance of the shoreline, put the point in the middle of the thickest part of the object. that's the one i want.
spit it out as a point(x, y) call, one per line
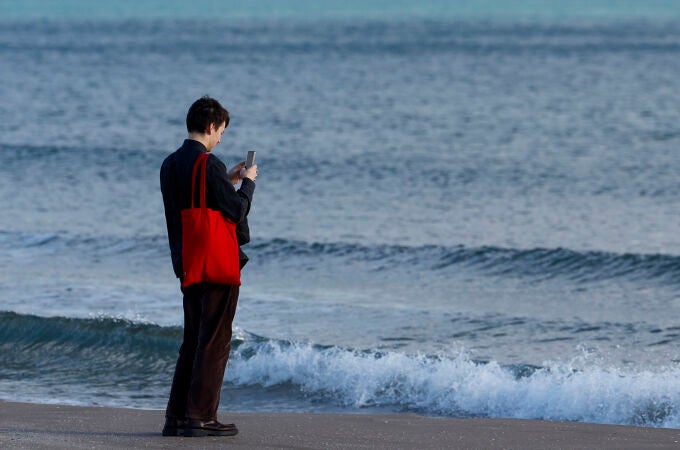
point(33, 425)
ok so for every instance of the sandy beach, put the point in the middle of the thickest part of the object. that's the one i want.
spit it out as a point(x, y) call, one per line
point(24, 425)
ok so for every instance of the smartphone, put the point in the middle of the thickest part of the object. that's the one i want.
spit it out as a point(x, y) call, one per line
point(250, 159)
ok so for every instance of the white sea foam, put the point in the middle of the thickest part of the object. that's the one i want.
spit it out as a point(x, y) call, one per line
point(462, 387)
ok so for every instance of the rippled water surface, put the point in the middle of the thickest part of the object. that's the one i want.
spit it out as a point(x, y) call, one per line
point(452, 213)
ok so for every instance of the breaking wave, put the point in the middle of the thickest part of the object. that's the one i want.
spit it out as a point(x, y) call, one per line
point(120, 362)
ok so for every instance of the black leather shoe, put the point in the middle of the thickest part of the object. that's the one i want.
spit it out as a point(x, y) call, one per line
point(174, 427)
point(196, 428)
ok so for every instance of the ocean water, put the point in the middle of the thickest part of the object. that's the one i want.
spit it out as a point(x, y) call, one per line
point(460, 212)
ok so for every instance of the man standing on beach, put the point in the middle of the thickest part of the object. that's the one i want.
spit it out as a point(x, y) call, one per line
point(208, 308)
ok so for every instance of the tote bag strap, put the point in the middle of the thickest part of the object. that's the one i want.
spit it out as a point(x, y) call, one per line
point(201, 162)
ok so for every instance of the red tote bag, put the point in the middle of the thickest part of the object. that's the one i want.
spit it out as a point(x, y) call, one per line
point(209, 244)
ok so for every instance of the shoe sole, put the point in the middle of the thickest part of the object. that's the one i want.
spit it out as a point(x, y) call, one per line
point(173, 432)
point(200, 432)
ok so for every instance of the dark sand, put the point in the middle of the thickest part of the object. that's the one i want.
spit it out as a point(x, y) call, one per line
point(32, 426)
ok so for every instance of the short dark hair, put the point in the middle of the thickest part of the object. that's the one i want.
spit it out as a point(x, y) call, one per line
point(206, 111)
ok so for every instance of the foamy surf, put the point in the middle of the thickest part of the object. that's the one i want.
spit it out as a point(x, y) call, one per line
point(461, 386)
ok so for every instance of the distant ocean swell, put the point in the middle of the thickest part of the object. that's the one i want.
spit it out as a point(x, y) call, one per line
point(539, 263)
point(353, 36)
point(580, 266)
point(104, 165)
point(111, 360)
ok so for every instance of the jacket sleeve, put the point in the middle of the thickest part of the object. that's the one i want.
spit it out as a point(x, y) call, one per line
point(234, 204)
point(243, 232)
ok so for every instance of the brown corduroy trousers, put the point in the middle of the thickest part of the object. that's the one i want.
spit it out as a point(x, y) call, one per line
point(208, 313)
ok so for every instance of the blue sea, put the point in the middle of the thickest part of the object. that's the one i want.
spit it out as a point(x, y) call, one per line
point(464, 209)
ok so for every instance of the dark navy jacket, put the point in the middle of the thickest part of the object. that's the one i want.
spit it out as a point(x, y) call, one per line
point(220, 195)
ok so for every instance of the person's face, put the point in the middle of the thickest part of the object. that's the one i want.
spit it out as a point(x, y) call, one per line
point(215, 135)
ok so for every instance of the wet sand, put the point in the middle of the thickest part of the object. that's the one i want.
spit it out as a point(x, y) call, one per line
point(24, 425)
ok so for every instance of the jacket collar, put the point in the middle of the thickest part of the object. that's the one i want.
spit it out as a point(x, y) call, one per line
point(190, 144)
